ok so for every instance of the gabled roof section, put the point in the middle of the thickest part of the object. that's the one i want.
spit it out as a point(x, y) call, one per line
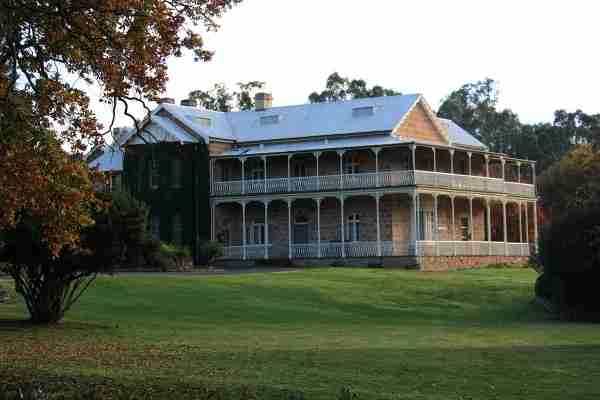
point(421, 124)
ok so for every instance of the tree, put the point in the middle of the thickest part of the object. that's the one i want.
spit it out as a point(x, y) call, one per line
point(572, 183)
point(473, 107)
point(338, 88)
point(46, 47)
point(219, 98)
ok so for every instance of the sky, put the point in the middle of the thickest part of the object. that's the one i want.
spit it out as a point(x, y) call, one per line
point(544, 54)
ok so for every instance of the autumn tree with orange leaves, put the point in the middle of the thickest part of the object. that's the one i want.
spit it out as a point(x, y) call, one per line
point(47, 47)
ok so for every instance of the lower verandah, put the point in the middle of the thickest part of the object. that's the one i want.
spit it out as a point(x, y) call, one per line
point(312, 228)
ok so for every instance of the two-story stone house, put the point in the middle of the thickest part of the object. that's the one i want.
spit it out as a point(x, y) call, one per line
point(369, 180)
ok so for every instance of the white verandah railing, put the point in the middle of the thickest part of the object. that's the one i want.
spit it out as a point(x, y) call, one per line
point(372, 180)
point(388, 249)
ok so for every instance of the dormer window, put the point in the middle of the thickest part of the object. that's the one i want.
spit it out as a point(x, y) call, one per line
point(204, 122)
point(269, 120)
point(361, 112)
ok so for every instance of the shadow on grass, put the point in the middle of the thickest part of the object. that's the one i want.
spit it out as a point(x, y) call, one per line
point(506, 372)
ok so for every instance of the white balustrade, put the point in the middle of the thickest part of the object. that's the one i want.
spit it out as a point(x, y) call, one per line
point(395, 249)
point(371, 179)
point(305, 250)
point(361, 249)
point(331, 250)
point(445, 248)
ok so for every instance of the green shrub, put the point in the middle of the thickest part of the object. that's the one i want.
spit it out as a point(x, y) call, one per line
point(211, 250)
point(543, 286)
point(570, 254)
point(177, 254)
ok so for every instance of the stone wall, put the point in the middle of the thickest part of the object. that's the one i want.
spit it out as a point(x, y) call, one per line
point(443, 263)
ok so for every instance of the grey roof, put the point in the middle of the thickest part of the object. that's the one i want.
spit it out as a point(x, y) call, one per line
point(110, 161)
point(316, 145)
point(308, 122)
point(301, 121)
point(459, 136)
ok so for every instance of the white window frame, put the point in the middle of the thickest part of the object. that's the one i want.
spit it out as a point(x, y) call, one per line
point(353, 228)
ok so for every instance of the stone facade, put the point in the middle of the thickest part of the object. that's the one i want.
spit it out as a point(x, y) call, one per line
point(458, 262)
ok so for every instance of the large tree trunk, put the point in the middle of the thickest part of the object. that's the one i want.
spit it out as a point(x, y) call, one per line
point(49, 296)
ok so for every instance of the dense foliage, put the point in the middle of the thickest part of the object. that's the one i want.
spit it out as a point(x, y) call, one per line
point(474, 106)
point(51, 284)
point(49, 50)
point(339, 88)
point(220, 98)
point(570, 244)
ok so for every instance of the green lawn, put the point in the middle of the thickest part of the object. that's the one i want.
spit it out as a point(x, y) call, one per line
point(386, 334)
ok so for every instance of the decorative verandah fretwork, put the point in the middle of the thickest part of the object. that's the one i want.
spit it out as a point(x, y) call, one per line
point(375, 224)
point(371, 167)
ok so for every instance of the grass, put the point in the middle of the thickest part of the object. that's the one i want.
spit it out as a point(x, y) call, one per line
point(386, 334)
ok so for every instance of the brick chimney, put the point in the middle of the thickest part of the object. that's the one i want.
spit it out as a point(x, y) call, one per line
point(189, 103)
point(263, 101)
point(166, 100)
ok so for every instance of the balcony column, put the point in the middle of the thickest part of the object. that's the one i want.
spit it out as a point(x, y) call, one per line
point(211, 173)
point(519, 171)
point(342, 227)
point(489, 225)
point(317, 155)
point(471, 232)
point(453, 226)
point(527, 222)
point(535, 227)
point(243, 161)
point(243, 230)
point(264, 158)
point(213, 213)
point(504, 228)
point(289, 204)
point(377, 198)
point(470, 155)
point(434, 160)
point(520, 228)
point(435, 223)
point(413, 149)
point(376, 150)
point(289, 168)
point(503, 161)
point(413, 225)
point(451, 151)
point(266, 203)
point(341, 154)
point(487, 165)
point(533, 175)
point(318, 200)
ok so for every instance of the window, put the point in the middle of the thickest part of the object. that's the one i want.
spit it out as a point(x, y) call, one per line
point(204, 122)
point(154, 174)
point(464, 229)
point(425, 225)
point(225, 174)
point(269, 120)
point(301, 228)
point(352, 166)
point(223, 237)
point(116, 182)
point(256, 233)
point(353, 228)
point(361, 112)
point(177, 236)
point(155, 227)
point(176, 174)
